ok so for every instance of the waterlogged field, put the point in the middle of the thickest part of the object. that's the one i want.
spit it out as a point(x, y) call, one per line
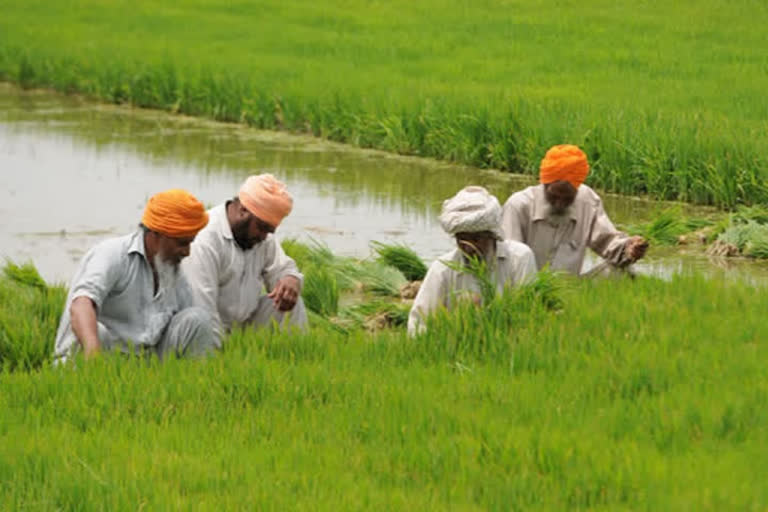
point(629, 394)
point(668, 99)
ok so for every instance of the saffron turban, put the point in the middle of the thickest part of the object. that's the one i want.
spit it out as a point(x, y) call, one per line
point(564, 162)
point(266, 198)
point(471, 210)
point(175, 213)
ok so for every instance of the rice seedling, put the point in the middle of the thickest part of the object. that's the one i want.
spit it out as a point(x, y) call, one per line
point(403, 259)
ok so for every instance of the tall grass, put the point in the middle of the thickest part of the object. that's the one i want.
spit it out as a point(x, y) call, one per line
point(640, 394)
point(675, 114)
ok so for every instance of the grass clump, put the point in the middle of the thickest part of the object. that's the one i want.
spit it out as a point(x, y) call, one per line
point(29, 316)
point(402, 258)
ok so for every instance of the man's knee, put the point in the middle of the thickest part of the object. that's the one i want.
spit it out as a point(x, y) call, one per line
point(194, 333)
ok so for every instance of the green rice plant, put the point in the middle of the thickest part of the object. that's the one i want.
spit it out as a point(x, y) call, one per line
point(469, 332)
point(610, 402)
point(402, 258)
point(477, 268)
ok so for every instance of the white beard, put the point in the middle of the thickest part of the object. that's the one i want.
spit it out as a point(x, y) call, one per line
point(167, 273)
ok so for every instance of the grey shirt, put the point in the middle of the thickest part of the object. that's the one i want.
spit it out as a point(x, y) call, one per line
point(228, 281)
point(515, 265)
point(562, 241)
point(117, 277)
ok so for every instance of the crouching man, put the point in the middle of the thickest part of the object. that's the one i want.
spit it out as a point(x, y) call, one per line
point(473, 217)
point(128, 293)
point(236, 257)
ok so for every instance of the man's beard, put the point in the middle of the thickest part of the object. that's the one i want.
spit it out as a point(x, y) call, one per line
point(240, 234)
point(167, 273)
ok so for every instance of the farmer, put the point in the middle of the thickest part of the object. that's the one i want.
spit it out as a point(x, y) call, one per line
point(559, 218)
point(237, 255)
point(472, 216)
point(129, 295)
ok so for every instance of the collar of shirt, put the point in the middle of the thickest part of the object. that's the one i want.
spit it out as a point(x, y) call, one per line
point(543, 211)
point(222, 221)
point(137, 243)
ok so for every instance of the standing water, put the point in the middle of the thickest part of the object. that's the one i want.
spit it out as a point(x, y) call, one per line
point(73, 172)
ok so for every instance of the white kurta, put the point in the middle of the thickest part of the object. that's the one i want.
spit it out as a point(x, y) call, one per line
point(562, 241)
point(515, 264)
point(230, 282)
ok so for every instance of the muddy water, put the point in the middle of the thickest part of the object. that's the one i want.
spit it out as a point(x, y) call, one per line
point(74, 172)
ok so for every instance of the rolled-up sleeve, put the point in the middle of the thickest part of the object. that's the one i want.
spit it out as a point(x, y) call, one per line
point(605, 239)
point(277, 265)
point(97, 275)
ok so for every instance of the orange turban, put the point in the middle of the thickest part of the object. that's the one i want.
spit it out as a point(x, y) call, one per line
point(564, 162)
point(175, 213)
point(266, 198)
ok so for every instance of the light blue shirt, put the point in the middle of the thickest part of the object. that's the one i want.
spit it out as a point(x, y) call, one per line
point(117, 277)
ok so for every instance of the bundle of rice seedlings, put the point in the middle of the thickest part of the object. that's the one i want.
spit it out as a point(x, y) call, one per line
point(376, 315)
point(665, 229)
point(25, 274)
point(298, 251)
point(746, 214)
point(377, 278)
point(320, 292)
point(402, 258)
point(757, 244)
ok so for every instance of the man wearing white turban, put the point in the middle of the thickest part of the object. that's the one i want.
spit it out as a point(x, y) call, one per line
point(473, 217)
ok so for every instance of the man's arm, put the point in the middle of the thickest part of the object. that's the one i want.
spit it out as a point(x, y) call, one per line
point(82, 312)
point(613, 245)
point(282, 276)
point(513, 221)
point(431, 296)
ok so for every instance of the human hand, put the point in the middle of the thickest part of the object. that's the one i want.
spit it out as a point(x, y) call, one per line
point(636, 248)
point(286, 293)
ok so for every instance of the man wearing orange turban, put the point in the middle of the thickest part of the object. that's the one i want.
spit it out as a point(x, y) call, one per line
point(237, 256)
point(559, 218)
point(129, 295)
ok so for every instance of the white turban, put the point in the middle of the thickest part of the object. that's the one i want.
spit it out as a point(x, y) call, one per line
point(472, 210)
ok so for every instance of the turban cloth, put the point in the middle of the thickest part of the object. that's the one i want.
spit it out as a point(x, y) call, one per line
point(564, 162)
point(266, 198)
point(175, 213)
point(472, 210)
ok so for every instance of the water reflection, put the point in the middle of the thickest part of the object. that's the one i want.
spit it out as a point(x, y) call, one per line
point(75, 172)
